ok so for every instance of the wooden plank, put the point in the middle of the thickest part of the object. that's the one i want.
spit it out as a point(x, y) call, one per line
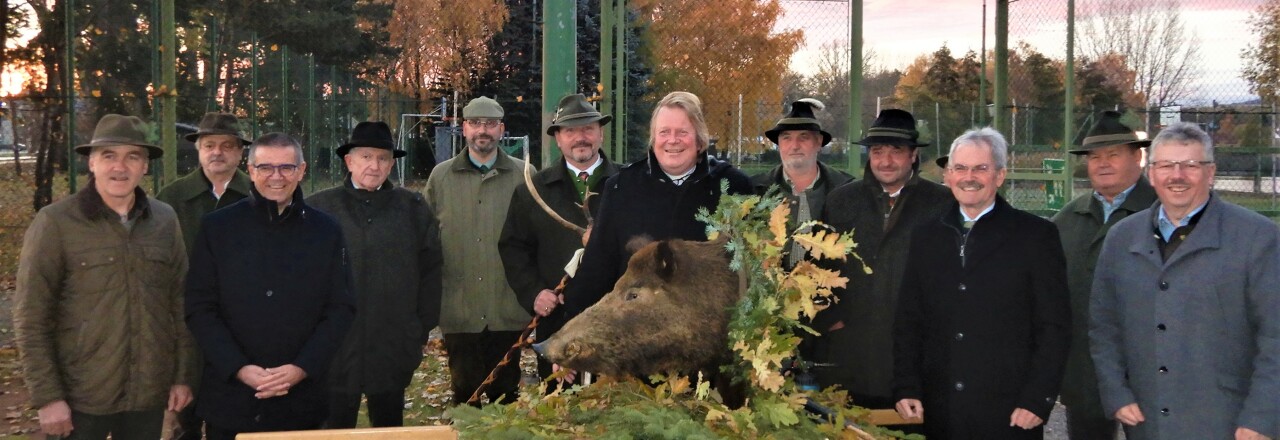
point(888, 417)
point(406, 433)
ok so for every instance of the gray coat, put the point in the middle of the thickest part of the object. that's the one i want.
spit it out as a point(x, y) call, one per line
point(1081, 228)
point(1195, 340)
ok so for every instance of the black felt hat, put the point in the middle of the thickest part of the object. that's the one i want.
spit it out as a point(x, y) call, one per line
point(800, 118)
point(1110, 131)
point(893, 127)
point(375, 134)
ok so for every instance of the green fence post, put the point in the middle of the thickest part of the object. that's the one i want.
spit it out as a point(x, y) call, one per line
point(559, 64)
point(69, 78)
point(854, 151)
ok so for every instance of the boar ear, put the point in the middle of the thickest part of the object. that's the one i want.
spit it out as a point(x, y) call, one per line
point(665, 259)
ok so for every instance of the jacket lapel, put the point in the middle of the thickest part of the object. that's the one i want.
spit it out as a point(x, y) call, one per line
point(1206, 235)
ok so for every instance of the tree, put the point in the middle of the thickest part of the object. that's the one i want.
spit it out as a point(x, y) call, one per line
point(1154, 42)
point(1262, 59)
point(720, 51)
point(441, 41)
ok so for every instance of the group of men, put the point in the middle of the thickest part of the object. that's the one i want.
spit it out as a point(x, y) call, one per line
point(1150, 302)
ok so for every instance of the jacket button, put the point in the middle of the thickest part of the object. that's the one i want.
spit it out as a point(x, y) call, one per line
point(962, 287)
point(1163, 370)
point(269, 293)
point(1164, 411)
point(959, 336)
point(959, 386)
point(1164, 285)
point(370, 221)
point(1160, 327)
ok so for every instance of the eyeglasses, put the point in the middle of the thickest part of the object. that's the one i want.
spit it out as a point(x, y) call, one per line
point(978, 170)
point(1168, 166)
point(486, 123)
point(286, 170)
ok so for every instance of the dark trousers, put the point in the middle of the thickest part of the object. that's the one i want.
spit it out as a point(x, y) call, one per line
point(473, 355)
point(127, 425)
point(1081, 426)
point(190, 426)
point(385, 409)
point(216, 433)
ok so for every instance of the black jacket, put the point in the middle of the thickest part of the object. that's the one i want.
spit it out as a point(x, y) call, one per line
point(394, 242)
point(641, 201)
point(828, 180)
point(863, 349)
point(983, 323)
point(534, 247)
point(267, 289)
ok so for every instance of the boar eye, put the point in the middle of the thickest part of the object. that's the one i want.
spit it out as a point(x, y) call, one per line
point(632, 295)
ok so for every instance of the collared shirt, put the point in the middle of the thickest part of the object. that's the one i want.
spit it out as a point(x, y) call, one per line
point(1110, 207)
point(1167, 227)
point(802, 215)
point(483, 167)
point(980, 214)
point(357, 186)
point(678, 180)
point(591, 170)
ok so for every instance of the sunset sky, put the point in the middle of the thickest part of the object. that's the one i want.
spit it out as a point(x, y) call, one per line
point(900, 30)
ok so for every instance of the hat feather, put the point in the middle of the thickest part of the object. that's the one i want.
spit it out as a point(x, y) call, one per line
point(816, 104)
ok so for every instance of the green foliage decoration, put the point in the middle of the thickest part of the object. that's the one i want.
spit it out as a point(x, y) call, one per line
point(762, 336)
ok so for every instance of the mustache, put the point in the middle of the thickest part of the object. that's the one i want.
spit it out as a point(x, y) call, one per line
point(971, 185)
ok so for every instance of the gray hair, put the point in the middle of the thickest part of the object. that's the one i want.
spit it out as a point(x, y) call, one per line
point(278, 140)
point(985, 136)
point(1182, 133)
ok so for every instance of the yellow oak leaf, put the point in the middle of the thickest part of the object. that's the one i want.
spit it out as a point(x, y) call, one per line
point(778, 222)
point(824, 245)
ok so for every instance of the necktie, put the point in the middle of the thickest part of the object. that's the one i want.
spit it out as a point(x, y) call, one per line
point(583, 176)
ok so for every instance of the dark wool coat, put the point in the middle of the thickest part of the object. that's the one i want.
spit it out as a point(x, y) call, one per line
point(983, 323)
point(267, 289)
point(642, 201)
point(394, 245)
point(534, 247)
point(828, 179)
point(863, 349)
point(98, 310)
point(1193, 340)
point(192, 197)
point(1082, 231)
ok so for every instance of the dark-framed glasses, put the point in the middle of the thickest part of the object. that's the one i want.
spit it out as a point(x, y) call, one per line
point(486, 123)
point(1168, 166)
point(286, 170)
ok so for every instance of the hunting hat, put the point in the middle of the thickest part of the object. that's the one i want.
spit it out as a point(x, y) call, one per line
point(800, 118)
point(942, 161)
point(1110, 131)
point(218, 123)
point(482, 107)
point(574, 111)
point(115, 130)
point(373, 134)
point(893, 127)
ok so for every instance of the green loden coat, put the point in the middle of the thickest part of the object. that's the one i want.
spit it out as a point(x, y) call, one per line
point(1081, 229)
point(191, 198)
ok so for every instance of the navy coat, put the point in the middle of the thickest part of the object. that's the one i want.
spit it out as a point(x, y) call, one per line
point(267, 289)
point(983, 323)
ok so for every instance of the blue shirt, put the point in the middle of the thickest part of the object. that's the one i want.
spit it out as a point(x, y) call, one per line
point(1108, 208)
point(980, 214)
point(1167, 227)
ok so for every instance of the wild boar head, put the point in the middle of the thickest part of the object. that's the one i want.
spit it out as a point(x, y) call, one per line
point(668, 313)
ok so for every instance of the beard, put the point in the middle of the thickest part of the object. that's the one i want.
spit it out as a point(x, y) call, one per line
point(485, 148)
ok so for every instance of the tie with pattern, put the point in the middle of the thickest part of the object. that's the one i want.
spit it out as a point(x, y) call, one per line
point(583, 176)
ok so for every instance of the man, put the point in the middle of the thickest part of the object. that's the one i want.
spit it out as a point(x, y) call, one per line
point(218, 182)
point(983, 324)
point(479, 314)
point(880, 210)
point(1113, 159)
point(1183, 322)
point(99, 302)
point(394, 242)
point(804, 181)
point(535, 247)
point(269, 300)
